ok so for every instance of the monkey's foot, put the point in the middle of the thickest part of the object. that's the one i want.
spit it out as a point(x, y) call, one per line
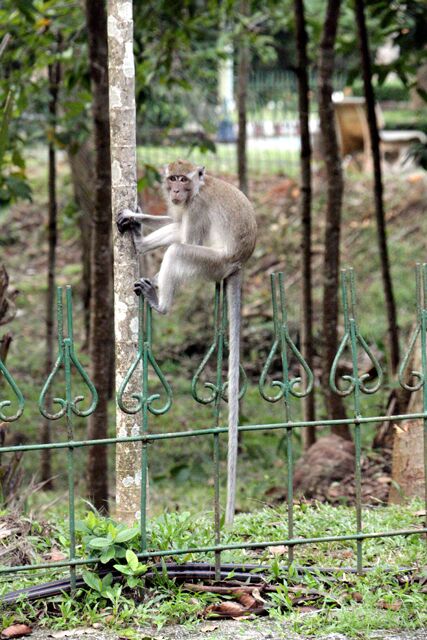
point(145, 287)
point(125, 222)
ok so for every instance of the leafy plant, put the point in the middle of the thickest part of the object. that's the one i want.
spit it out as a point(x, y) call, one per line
point(133, 569)
point(103, 586)
point(103, 538)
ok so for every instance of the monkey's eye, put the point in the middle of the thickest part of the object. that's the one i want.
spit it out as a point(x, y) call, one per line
point(172, 178)
point(183, 179)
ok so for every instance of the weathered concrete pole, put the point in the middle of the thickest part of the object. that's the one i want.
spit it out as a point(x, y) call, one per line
point(124, 195)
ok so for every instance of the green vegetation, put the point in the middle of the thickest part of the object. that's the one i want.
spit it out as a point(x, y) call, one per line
point(389, 596)
point(181, 471)
point(181, 51)
point(265, 158)
point(404, 118)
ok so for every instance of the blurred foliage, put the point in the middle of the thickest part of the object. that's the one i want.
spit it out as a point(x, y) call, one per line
point(418, 152)
point(41, 33)
point(178, 47)
point(389, 91)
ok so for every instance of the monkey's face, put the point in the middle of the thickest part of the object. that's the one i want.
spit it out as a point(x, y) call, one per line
point(182, 181)
point(179, 188)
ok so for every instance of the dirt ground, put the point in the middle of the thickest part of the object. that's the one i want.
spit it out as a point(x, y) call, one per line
point(222, 630)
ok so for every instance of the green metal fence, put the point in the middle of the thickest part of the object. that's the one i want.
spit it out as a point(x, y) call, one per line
point(278, 390)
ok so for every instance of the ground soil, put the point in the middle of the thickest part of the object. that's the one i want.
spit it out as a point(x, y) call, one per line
point(222, 630)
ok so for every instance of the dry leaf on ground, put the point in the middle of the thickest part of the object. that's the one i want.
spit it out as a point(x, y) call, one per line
point(278, 550)
point(16, 631)
point(208, 627)
point(227, 610)
point(392, 606)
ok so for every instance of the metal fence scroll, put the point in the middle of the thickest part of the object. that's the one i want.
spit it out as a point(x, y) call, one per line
point(69, 404)
point(217, 392)
point(419, 333)
point(135, 397)
point(356, 384)
point(5, 416)
point(137, 377)
point(287, 386)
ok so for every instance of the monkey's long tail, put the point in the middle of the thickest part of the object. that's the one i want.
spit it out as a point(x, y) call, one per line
point(234, 287)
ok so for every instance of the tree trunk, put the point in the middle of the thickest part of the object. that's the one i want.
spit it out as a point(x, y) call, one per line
point(393, 334)
point(242, 87)
point(309, 434)
point(101, 307)
point(54, 72)
point(124, 195)
point(7, 313)
point(334, 192)
point(5, 342)
point(409, 462)
point(83, 178)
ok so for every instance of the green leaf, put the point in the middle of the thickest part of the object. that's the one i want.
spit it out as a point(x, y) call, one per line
point(81, 526)
point(110, 594)
point(126, 534)
point(107, 580)
point(107, 555)
point(132, 559)
point(91, 520)
point(26, 7)
point(142, 568)
point(132, 581)
point(92, 580)
point(124, 568)
point(18, 187)
point(100, 543)
point(112, 530)
point(119, 552)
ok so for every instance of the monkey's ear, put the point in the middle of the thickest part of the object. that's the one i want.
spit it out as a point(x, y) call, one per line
point(201, 172)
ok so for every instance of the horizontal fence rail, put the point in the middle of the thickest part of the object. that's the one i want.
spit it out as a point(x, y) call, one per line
point(284, 389)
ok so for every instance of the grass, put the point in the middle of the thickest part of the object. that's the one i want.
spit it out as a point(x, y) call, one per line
point(389, 596)
point(268, 160)
point(404, 118)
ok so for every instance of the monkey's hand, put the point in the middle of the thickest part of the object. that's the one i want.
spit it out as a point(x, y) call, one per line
point(126, 222)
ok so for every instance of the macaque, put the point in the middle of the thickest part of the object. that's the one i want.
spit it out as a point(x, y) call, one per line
point(209, 232)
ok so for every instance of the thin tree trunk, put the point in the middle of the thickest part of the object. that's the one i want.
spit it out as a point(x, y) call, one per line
point(54, 72)
point(409, 462)
point(393, 333)
point(309, 434)
point(83, 178)
point(101, 308)
point(242, 87)
point(5, 342)
point(334, 193)
point(124, 195)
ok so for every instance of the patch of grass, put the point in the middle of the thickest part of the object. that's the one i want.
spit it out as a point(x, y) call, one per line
point(388, 596)
point(405, 118)
point(262, 158)
point(364, 604)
